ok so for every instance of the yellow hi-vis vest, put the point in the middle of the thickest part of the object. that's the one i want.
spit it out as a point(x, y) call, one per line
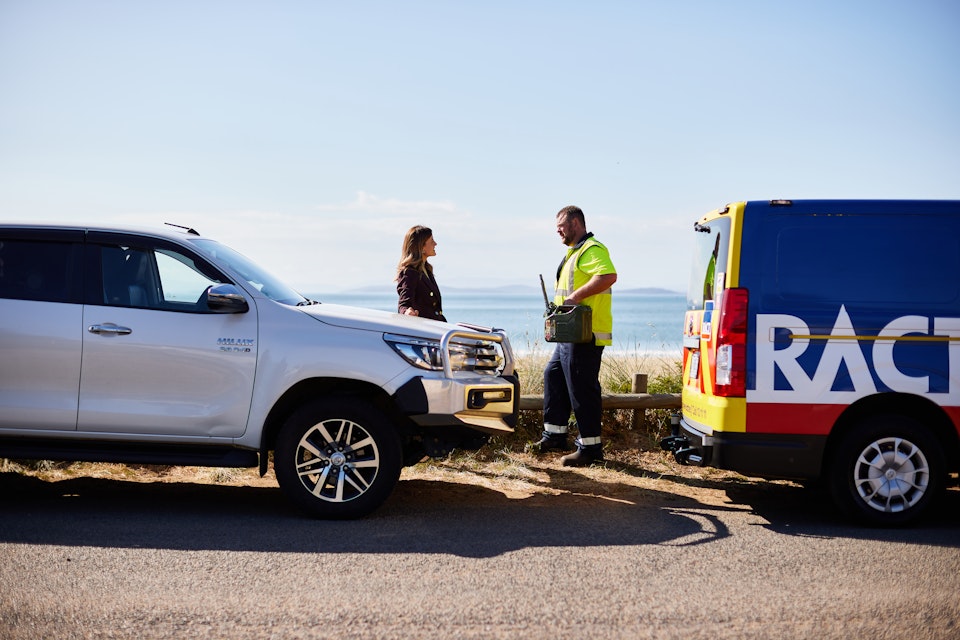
point(570, 278)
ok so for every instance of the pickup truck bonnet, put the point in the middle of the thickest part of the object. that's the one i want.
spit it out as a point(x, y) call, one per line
point(376, 320)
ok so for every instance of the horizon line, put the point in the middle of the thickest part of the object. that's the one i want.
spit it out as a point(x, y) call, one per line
point(516, 288)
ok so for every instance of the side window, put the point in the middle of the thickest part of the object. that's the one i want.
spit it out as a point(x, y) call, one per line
point(129, 279)
point(183, 281)
point(40, 270)
point(160, 278)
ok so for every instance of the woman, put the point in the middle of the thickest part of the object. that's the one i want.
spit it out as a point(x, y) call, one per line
point(418, 290)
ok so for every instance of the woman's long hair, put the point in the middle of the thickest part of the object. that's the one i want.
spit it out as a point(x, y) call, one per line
point(412, 255)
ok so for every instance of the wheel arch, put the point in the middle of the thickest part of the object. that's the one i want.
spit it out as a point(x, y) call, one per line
point(925, 411)
point(313, 389)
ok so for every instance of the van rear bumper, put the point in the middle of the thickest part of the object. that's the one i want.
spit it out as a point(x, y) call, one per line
point(764, 455)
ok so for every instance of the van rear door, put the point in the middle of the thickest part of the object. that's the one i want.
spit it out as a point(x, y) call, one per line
point(709, 400)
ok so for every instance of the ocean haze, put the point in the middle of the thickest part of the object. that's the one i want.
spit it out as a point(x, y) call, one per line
point(644, 323)
point(508, 289)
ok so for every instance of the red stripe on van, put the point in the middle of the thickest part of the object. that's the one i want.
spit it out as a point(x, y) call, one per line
point(806, 419)
point(799, 419)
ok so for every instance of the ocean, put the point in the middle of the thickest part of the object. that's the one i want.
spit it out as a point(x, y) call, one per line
point(642, 323)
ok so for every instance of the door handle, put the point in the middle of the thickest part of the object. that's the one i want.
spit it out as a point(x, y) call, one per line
point(109, 329)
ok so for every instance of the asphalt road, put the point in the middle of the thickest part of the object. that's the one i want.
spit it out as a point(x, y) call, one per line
point(111, 559)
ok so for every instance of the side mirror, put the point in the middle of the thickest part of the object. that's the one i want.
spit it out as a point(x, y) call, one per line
point(226, 298)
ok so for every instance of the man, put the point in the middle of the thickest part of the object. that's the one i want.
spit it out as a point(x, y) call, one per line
point(571, 379)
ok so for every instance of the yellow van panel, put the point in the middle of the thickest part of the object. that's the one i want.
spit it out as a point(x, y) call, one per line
point(713, 413)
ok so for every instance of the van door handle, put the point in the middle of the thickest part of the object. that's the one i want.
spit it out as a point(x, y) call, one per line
point(109, 329)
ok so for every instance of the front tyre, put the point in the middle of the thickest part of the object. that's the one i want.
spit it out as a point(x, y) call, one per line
point(337, 459)
point(887, 471)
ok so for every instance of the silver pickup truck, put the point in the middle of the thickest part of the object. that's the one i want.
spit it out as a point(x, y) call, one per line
point(165, 347)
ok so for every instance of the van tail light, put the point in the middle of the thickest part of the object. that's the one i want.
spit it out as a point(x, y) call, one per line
point(731, 355)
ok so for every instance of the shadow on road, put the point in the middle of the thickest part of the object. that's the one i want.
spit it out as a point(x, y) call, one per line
point(421, 517)
point(798, 511)
point(792, 509)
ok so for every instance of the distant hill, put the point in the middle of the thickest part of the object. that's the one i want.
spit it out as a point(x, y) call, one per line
point(650, 291)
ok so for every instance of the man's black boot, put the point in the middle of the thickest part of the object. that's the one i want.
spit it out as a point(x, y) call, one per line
point(551, 442)
point(583, 456)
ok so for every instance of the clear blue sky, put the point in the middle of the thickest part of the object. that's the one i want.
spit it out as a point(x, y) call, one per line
point(311, 135)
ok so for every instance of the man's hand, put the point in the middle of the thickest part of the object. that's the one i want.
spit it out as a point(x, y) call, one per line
point(596, 284)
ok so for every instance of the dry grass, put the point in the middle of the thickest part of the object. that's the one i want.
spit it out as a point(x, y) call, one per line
point(519, 475)
point(513, 474)
point(616, 370)
point(56, 471)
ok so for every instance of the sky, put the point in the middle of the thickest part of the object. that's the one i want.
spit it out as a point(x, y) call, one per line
point(311, 135)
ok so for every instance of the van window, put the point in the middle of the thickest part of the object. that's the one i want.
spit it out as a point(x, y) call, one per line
point(40, 270)
point(709, 261)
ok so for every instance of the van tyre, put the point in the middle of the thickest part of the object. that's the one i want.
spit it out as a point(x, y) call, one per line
point(337, 459)
point(887, 471)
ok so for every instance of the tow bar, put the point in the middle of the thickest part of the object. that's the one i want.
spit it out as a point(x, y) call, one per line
point(679, 445)
point(682, 451)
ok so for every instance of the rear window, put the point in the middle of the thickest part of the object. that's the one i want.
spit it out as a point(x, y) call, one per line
point(709, 261)
point(46, 271)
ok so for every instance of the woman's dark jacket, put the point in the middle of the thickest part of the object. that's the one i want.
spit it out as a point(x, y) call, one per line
point(419, 290)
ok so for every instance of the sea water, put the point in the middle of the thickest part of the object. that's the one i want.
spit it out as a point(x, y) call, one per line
point(642, 323)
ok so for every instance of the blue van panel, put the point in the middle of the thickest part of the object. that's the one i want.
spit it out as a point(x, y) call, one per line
point(875, 261)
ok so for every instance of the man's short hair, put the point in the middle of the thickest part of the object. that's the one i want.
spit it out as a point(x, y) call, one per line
point(572, 212)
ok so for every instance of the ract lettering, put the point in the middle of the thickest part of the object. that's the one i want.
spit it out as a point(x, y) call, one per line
point(845, 347)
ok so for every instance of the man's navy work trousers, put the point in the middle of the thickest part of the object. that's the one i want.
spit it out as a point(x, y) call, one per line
point(571, 382)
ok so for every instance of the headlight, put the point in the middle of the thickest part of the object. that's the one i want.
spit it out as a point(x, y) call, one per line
point(424, 354)
point(481, 357)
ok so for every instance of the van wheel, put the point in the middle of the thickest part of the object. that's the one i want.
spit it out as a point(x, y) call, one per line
point(337, 459)
point(887, 471)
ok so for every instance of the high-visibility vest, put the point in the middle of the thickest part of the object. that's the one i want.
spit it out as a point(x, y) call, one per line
point(570, 278)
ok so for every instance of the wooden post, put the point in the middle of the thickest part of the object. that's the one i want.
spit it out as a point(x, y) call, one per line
point(639, 386)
